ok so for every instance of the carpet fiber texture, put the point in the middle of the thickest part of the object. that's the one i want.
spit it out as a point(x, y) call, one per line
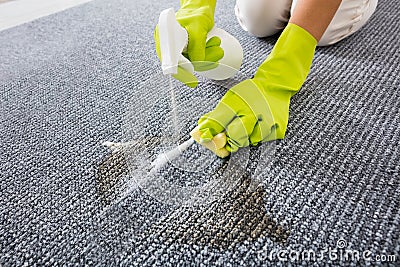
point(66, 84)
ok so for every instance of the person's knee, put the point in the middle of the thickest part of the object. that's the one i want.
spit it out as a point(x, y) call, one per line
point(262, 17)
point(349, 18)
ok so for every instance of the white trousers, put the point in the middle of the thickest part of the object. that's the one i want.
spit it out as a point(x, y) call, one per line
point(266, 17)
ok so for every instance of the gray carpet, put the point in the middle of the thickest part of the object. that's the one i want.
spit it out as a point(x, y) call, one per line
point(67, 82)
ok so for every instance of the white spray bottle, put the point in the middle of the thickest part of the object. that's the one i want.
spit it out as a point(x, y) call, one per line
point(174, 40)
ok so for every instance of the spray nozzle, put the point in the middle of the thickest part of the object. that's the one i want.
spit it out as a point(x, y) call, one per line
point(173, 40)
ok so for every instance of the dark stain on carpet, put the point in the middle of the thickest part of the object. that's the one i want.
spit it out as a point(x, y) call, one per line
point(240, 216)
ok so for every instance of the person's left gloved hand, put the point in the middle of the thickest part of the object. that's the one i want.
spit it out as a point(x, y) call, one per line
point(257, 109)
point(247, 114)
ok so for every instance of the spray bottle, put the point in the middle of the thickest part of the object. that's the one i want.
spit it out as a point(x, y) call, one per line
point(173, 41)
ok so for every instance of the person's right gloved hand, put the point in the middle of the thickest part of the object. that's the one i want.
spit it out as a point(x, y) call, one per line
point(197, 17)
point(257, 110)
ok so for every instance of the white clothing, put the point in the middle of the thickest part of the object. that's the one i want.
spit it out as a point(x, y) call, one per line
point(266, 17)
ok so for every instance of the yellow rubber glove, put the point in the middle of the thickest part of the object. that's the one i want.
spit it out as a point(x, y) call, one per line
point(257, 109)
point(197, 17)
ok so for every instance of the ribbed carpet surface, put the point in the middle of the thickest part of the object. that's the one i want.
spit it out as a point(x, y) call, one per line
point(66, 84)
